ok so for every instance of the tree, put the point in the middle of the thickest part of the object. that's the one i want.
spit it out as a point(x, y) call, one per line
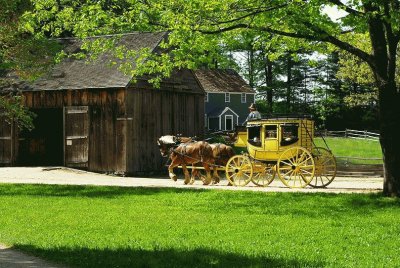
point(22, 57)
point(198, 25)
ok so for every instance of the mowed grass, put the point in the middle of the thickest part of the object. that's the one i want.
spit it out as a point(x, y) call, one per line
point(353, 148)
point(85, 226)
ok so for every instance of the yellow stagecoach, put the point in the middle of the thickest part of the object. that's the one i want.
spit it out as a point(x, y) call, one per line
point(283, 147)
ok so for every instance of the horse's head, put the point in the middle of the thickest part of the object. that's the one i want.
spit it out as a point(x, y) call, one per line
point(165, 143)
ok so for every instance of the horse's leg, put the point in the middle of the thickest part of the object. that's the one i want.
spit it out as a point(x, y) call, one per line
point(208, 179)
point(195, 173)
point(187, 175)
point(171, 170)
point(216, 178)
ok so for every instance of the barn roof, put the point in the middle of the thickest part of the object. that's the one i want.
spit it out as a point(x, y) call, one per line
point(218, 81)
point(74, 73)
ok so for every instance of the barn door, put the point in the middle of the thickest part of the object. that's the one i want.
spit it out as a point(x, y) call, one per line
point(76, 136)
point(6, 144)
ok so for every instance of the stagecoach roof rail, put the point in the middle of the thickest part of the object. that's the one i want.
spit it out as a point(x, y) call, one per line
point(285, 116)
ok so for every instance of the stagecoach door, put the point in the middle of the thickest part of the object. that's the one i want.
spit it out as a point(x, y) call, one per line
point(271, 138)
point(76, 136)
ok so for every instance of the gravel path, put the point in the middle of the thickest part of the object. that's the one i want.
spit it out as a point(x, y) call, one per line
point(11, 258)
point(67, 176)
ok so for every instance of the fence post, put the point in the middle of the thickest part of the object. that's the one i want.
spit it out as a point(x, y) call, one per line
point(345, 133)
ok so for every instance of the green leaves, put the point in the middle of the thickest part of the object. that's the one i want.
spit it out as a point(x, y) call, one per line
point(13, 110)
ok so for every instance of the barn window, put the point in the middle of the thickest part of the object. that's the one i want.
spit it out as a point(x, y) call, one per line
point(227, 97)
point(243, 97)
point(228, 122)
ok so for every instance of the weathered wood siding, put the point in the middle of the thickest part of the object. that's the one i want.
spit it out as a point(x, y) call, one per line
point(176, 108)
point(6, 143)
point(119, 129)
point(106, 141)
point(76, 136)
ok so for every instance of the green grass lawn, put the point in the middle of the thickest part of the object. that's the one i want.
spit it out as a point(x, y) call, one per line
point(135, 227)
point(353, 148)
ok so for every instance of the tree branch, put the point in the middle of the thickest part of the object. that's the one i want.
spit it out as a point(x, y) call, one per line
point(258, 11)
point(263, 29)
point(320, 35)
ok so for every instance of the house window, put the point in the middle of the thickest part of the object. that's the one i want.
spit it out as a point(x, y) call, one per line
point(243, 97)
point(228, 122)
point(227, 97)
point(206, 97)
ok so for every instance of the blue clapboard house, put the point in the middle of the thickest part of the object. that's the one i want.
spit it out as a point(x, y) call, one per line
point(227, 99)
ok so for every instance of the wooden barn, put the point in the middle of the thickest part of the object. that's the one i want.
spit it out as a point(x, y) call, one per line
point(91, 116)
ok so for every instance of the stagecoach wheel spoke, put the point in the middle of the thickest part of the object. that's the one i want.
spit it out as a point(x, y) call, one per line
point(295, 167)
point(239, 170)
point(287, 163)
point(264, 175)
point(325, 167)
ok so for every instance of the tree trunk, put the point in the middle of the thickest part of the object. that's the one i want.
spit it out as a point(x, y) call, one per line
point(389, 113)
point(268, 82)
point(251, 67)
point(289, 83)
point(383, 63)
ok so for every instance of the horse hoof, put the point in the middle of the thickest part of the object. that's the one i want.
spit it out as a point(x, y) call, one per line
point(187, 181)
point(206, 182)
point(173, 178)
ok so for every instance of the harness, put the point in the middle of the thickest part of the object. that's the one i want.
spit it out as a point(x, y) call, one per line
point(218, 150)
point(183, 154)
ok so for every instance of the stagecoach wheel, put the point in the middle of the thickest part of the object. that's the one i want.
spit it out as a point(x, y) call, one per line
point(263, 175)
point(325, 167)
point(296, 167)
point(239, 170)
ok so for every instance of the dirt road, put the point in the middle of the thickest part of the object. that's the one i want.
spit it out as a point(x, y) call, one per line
point(61, 175)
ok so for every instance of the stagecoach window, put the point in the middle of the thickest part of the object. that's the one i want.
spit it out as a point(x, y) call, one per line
point(289, 134)
point(254, 135)
point(270, 132)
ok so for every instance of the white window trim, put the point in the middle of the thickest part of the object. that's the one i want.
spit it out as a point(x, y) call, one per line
point(245, 97)
point(226, 117)
point(206, 97)
point(227, 97)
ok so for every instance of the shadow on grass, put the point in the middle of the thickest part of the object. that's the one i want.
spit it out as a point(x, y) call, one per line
point(85, 257)
point(83, 191)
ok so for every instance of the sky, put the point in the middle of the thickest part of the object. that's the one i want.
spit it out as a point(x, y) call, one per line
point(333, 12)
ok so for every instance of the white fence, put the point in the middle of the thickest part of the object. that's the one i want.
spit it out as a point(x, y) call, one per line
point(350, 133)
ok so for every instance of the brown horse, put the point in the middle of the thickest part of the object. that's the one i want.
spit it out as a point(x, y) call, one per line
point(221, 154)
point(185, 154)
